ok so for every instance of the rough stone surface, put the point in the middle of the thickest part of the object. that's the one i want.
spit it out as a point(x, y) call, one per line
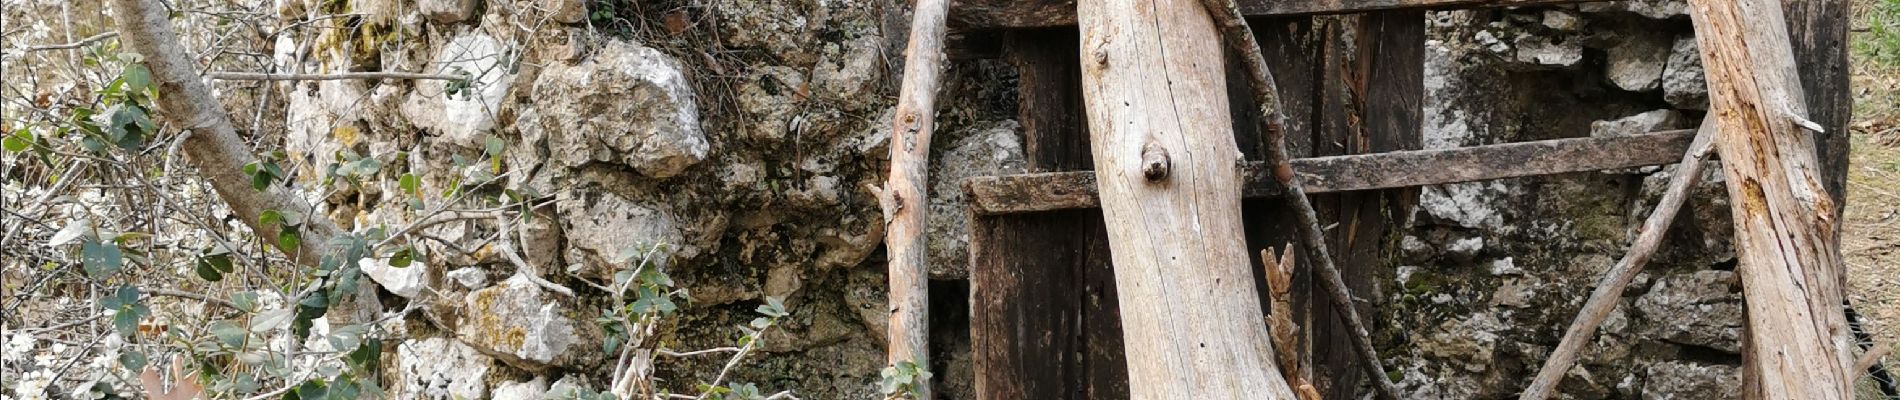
point(994, 149)
point(523, 325)
point(462, 117)
point(1652, 121)
point(1654, 9)
point(1684, 85)
point(406, 281)
point(440, 369)
point(1543, 50)
point(627, 104)
point(533, 389)
point(447, 11)
point(1702, 309)
point(1671, 380)
point(1637, 63)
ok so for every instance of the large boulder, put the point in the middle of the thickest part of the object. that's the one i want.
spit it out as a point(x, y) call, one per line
point(994, 149)
point(627, 104)
point(520, 323)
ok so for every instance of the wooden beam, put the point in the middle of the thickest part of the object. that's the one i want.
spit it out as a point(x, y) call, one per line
point(1154, 87)
point(1011, 14)
point(1797, 344)
point(990, 195)
point(903, 196)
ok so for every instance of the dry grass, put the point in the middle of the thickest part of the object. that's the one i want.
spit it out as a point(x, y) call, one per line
point(1871, 241)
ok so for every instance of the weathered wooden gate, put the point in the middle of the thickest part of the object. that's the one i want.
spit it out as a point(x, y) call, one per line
point(1044, 312)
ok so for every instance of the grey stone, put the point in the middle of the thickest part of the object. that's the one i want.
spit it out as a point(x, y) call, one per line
point(1684, 85)
point(1547, 51)
point(533, 389)
point(992, 149)
point(405, 281)
point(601, 226)
point(472, 278)
point(628, 104)
point(1647, 122)
point(1676, 380)
point(1636, 64)
point(440, 369)
point(1696, 309)
point(1562, 20)
point(569, 11)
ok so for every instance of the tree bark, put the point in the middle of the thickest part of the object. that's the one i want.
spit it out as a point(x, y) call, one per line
point(903, 194)
point(212, 145)
point(1798, 344)
point(1153, 82)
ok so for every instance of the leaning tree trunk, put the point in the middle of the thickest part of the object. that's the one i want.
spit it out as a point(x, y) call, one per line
point(903, 196)
point(1797, 345)
point(1154, 84)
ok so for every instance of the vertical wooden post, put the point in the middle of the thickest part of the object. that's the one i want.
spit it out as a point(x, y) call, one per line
point(903, 194)
point(1153, 82)
point(1818, 30)
point(1797, 344)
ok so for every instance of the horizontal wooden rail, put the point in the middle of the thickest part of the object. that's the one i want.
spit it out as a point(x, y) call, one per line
point(990, 195)
point(995, 14)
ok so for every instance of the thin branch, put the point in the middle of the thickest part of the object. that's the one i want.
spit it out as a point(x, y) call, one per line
point(88, 41)
point(193, 296)
point(1240, 39)
point(265, 76)
point(1610, 288)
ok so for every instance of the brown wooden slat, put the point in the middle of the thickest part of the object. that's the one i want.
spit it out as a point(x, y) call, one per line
point(1818, 31)
point(994, 14)
point(989, 195)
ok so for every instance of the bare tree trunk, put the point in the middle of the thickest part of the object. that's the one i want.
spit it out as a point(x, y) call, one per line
point(1798, 345)
point(903, 194)
point(1153, 80)
point(212, 145)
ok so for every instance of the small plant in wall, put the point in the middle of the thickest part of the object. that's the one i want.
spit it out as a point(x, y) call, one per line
point(900, 381)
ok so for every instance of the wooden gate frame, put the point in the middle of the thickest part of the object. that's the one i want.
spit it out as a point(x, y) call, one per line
point(1044, 312)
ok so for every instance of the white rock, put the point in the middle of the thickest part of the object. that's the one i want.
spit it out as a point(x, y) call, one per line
point(406, 281)
point(464, 116)
point(600, 226)
point(521, 323)
point(440, 368)
point(470, 277)
point(530, 390)
point(1561, 20)
point(628, 104)
point(1545, 51)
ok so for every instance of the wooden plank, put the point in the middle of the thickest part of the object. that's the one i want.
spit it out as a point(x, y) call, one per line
point(1154, 85)
point(1076, 189)
point(1790, 267)
point(1012, 14)
point(1818, 32)
point(1039, 328)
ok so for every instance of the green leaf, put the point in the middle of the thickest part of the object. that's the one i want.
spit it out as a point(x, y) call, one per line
point(132, 360)
point(346, 338)
point(126, 322)
point(288, 239)
point(492, 146)
point(230, 333)
point(409, 183)
point(19, 141)
point(245, 301)
point(402, 258)
point(270, 217)
point(208, 272)
point(100, 258)
point(137, 78)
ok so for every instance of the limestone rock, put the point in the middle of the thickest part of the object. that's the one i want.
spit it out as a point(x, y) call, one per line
point(1647, 122)
point(1676, 380)
point(570, 11)
point(471, 278)
point(601, 226)
point(1547, 51)
point(1684, 86)
point(1697, 309)
point(1653, 9)
point(447, 11)
point(441, 369)
point(523, 325)
point(628, 104)
point(995, 149)
point(405, 281)
point(1562, 20)
point(533, 389)
point(467, 113)
point(1636, 64)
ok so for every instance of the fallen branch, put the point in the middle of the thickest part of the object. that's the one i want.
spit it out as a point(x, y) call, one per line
point(89, 40)
point(1610, 288)
point(902, 197)
point(265, 76)
point(1240, 39)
